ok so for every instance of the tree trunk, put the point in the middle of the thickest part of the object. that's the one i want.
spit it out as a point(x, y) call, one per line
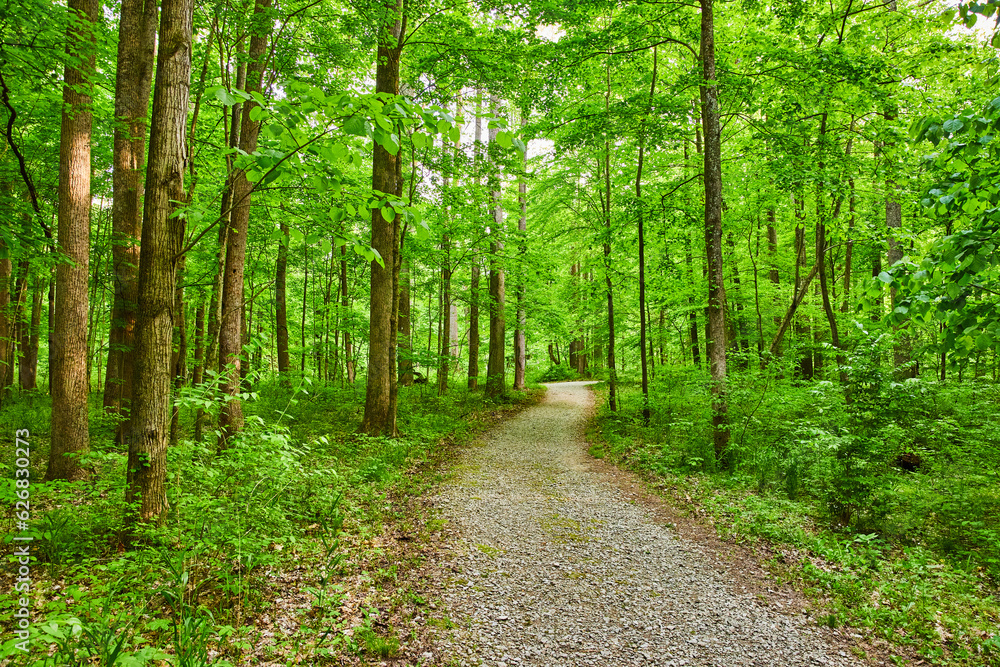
point(162, 239)
point(520, 342)
point(713, 231)
point(198, 376)
point(444, 344)
point(643, 318)
point(305, 307)
point(379, 417)
point(281, 306)
point(134, 75)
point(693, 314)
point(345, 303)
point(496, 383)
point(474, 326)
point(475, 271)
point(231, 324)
point(609, 288)
point(6, 323)
point(405, 334)
point(180, 346)
point(70, 436)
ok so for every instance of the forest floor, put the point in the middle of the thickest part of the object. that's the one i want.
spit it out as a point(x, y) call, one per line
point(551, 557)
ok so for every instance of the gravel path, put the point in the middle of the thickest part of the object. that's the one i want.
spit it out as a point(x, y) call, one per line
point(554, 566)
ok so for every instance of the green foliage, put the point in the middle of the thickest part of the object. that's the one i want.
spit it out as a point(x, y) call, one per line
point(556, 374)
point(818, 470)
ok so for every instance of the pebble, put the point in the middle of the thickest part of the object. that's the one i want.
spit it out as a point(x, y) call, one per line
point(570, 571)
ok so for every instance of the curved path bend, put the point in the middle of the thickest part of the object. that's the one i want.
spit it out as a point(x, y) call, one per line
point(554, 566)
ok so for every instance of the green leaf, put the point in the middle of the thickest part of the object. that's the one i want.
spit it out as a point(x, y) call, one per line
point(388, 213)
point(229, 98)
point(387, 140)
point(357, 126)
point(456, 134)
point(420, 140)
point(953, 125)
point(504, 139)
point(984, 341)
point(885, 277)
point(443, 126)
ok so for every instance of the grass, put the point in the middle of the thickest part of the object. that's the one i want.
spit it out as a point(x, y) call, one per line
point(304, 524)
point(889, 574)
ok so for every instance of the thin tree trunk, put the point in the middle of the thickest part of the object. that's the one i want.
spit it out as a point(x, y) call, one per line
point(281, 305)
point(797, 299)
point(133, 78)
point(162, 239)
point(231, 325)
point(179, 359)
point(6, 323)
point(609, 288)
point(475, 271)
point(405, 331)
point(198, 376)
point(70, 436)
point(345, 304)
point(305, 308)
point(713, 232)
point(444, 343)
point(643, 318)
point(496, 384)
point(520, 342)
point(693, 315)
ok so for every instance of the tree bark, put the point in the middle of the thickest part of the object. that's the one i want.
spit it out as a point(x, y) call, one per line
point(281, 306)
point(405, 332)
point(474, 338)
point(180, 347)
point(520, 342)
point(643, 319)
point(6, 323)
point(70, 424)
point(231, 324)
point(609, 287)
point(162, 239)
point(444, 363)
point(345, 304)
point(198, 375)
point(496, 383)
point(380, 417)
point(133, 78)
point(716, 310)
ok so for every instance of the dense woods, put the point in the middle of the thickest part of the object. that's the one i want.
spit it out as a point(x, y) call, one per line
point(769, 229)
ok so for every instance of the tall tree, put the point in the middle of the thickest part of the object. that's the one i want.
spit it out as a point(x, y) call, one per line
point(281, 305)
point(380, 416)
point(159, 257)
point(231, 326)
point(520, 344)
point(496, 383)
point(69, 382)
point(716, 311)
point(642, 251)
point(133, 78)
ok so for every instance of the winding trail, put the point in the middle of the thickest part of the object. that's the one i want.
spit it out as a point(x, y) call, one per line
point(555, 566)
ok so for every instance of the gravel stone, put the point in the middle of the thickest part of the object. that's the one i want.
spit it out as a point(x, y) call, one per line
point(554, 566)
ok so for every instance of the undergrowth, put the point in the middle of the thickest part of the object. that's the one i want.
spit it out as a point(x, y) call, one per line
point(887, 504)
point(268, 552)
